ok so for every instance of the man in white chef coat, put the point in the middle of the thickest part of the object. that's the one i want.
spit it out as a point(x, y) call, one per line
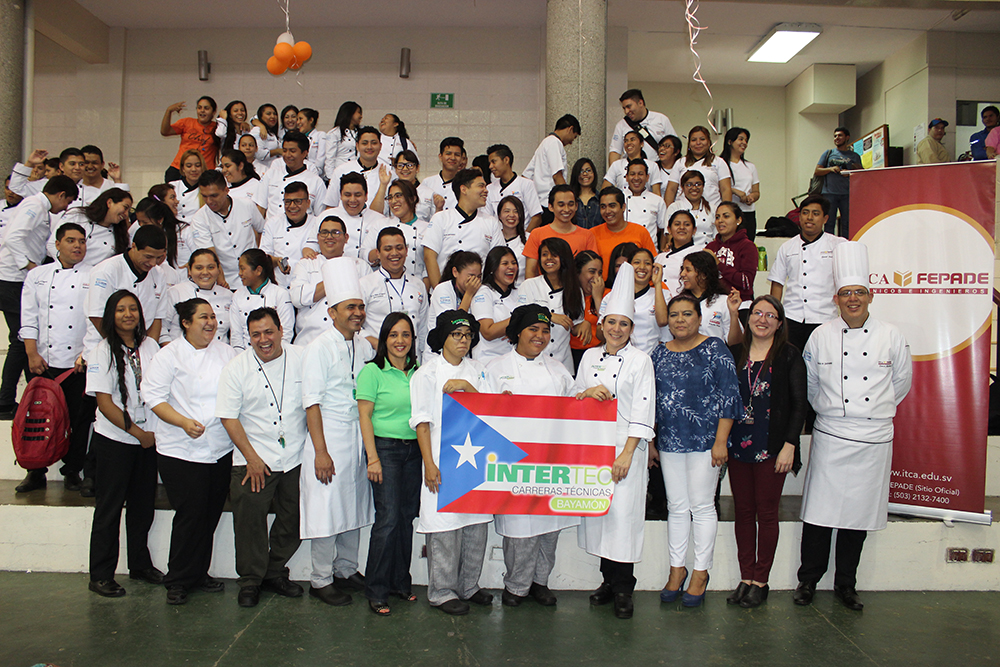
point(335, 496)
point(859, 370)
point(651, 126)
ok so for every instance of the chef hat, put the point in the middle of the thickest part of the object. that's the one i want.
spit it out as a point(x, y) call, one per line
point(340, 279)
point(449, 321)
point(850, 264)
point(621, 301)
point(524, 317)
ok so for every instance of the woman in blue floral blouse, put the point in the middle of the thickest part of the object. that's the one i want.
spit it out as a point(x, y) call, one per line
point(697, 399)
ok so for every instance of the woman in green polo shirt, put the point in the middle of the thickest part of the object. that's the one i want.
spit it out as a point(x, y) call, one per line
point(394, 462)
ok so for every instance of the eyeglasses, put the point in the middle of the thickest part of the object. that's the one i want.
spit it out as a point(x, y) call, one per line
point(586, 170)
point(459, 336)
point(694, 184)
point(394, 197)
point(296, 202)
point(405, 165)
point(761, 313)
point(330, 232)
point(861, 293)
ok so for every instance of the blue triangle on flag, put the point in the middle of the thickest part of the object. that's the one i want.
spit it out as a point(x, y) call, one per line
point(474, 438)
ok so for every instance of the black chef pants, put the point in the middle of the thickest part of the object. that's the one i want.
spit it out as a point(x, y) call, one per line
point(816, 554)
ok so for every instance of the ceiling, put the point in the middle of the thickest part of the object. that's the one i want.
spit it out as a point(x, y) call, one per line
point(658, 47)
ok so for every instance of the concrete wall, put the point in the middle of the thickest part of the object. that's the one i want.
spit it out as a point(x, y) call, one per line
point(807, 135)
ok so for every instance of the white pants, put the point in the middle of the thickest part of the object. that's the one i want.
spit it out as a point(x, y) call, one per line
point(337, 554)
point(690, 481)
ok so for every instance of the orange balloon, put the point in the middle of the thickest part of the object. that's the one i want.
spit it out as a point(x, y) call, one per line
point(295, 64)
point(284, 53)
point(275, 67)
point(303, 51)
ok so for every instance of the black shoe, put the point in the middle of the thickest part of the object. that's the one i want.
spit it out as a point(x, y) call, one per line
point(330, 595)
point(755, 597)
point(508, 599)
point(87, 488)
point(34, 480)
point(71, 481)
point(355, 582)
point(210, 585)
point(177, 595)
point(454, 607)
point(602, 595)
point(249, 596)
point(150, 575)
point(108, 588)
point(849, 596)
point(623, 605)
point(7, 412)
point(480, 597)
point(282, 586)
point(740, 593)
point(804, 593)
point(542, 595)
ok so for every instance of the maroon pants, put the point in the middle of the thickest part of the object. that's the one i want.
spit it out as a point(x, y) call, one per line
point(756, 492)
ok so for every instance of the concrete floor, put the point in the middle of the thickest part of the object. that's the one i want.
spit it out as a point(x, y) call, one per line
point(53, 618)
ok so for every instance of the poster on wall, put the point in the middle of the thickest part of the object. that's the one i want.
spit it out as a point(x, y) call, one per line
point(930, 237)
point(872, 147)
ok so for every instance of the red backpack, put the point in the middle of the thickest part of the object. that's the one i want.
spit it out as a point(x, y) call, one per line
point(41, 426)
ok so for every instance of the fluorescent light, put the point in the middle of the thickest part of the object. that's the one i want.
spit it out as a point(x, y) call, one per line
point(783, 42)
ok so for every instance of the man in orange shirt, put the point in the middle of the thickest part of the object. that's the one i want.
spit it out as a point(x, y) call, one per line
point(616, 230)
point(562, 203)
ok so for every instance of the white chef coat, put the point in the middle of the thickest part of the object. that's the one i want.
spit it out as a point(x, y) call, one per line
point(531, 377)
point(245, 189)
point(490, 304)
point(856, 378)
point(312, 318)
point(717, 171)
point(805, 269)
point(117, 273)
point(188, 380)
point(52, 312)
point(100, 239)
point(628, 375)
point(267, 399)
point(355, 167)
point(435, 185)
point(383, 295)
point(671, 262)
point(25, 237)
point(645, 330)
point(330, 367)
point(548, 160)
point(317, 151)
point(340, 148)
point(517, 247)
point(520, 187)
point(393, 146)
point(744, 176)
point(443, 297)
point(411, 234)
point(270, 194)
point(647, 210)
point(102, 377)
point(358, 227)
point(243, 303)
point(715, 320)
point(655, 122)
point(220, 298)
point(230, 235)
point(265, 145)
point(20, 184)
point(188, 199)
point(281, 239)
point(619, 168)
point(537, 290)
point(426, 399)
point(704, 220)
point(451, 230)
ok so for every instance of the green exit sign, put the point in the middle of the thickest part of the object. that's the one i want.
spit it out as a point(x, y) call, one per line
point(442, 100)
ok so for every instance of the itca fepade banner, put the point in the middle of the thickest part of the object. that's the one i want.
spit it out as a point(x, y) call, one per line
point(930, 237)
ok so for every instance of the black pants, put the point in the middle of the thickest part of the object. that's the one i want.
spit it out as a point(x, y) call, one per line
point(16, 362)
point(129, 480)
point(750, 224)
point(82, 409)
point(798, 335)
point(260, 555)
point(816, 554)
point(619, 576)
point(197, 492)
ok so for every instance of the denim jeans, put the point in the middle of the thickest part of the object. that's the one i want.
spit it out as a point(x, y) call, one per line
point(839, 224)
point(397, 504)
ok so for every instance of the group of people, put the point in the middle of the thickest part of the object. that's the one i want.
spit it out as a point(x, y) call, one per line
point(284, 340)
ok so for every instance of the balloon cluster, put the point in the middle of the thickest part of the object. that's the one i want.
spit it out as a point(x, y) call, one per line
point(288, 55)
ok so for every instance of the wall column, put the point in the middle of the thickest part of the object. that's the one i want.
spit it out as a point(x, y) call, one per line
point(11, 82)
point(575, 72)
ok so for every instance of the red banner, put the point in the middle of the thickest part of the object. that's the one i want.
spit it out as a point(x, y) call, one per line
point(930, 237)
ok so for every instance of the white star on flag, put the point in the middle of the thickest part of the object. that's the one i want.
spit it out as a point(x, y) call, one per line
point(467, 453)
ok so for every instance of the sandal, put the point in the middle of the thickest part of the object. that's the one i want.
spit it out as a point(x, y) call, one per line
point(379, 608)
point(407, 597)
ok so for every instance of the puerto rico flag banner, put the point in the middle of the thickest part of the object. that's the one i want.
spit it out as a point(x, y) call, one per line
point(542, 455)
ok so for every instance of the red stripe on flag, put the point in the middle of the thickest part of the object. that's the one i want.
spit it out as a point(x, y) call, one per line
point(537, 407)
point(594, 455)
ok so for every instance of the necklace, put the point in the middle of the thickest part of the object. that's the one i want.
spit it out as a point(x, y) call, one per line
point(753, 383)
point(281, 401)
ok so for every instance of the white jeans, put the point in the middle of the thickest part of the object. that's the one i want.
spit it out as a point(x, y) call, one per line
point(690, 481)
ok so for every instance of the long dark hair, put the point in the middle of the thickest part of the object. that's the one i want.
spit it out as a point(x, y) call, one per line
point(519, 207)
point(97, 210)
point(215, 137)
point(345, 114)
point(272, 130)
point(777, 343)
point(281, 117)
point(258, 259)
point(382, 349)
point(231, 134)
point(582, 259)
point(574, 179)
point(572, 294)
point(400, 130)
point(689, 158)
point(621, 250)
point(160, 213)
point(704, 265)
point(493, 259)
point(458, 261)
point(117, 345)
point(409, 192)
point(731, 135)
point(238, 158)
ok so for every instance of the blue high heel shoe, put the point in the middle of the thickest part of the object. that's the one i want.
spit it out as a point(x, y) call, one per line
point(667, 595)
point(689, 600)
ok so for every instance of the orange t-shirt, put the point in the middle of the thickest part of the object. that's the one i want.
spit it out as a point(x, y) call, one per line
point(198, 137)
point(579, 239)
point(607, 240)
point(590, 316)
